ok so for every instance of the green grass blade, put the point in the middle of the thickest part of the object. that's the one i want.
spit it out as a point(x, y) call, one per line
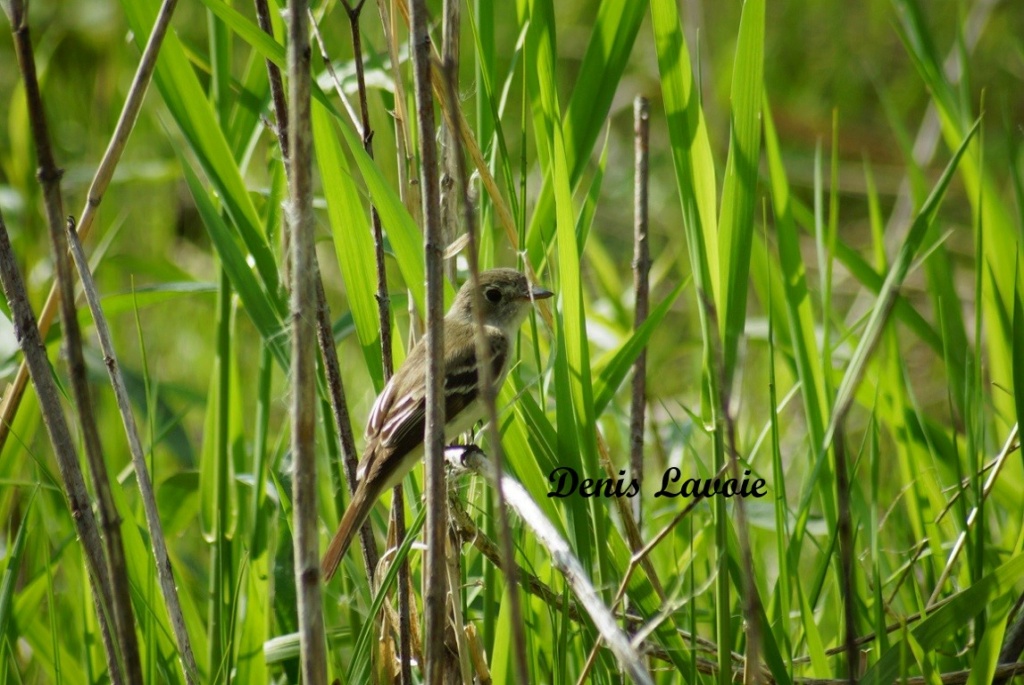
point(615, 371)
point(1001, 234)
point(404, 235)
point(736, 222)
point(815, 645)
point(800, 317)
point(57, 665)
point(489, 109)
point(538, 17)
point(196, 119)
point(798, 300)
point(615, 30)
point(353, 243)
point(142, 570)
point(262, 307)
point(533, 446)
point(1018, 356)
point(781, 599)
point(572, 332)
point(218, 506)
point(251, 666)
point(945, 620)
point(12, 565)
point(883, 306)
point(986, 657)
point(244, 126)
point(590, 203)
point(570, 451)
point(902, 309)
point(691, 149)
point(254, 37)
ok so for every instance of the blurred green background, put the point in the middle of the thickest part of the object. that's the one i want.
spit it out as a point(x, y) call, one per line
point(820, 58)
point(834, 72)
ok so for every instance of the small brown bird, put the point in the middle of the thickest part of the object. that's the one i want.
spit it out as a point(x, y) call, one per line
point(394, 433)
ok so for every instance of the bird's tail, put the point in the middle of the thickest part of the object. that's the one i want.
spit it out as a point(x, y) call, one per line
point(353, 519)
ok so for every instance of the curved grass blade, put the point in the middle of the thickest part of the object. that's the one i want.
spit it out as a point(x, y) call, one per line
point(404, 234)
point(611, 377)
point(887, 297)
point(195, 117)
point(262, 307)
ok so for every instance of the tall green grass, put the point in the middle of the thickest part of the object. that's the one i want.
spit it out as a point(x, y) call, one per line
point(786, 303)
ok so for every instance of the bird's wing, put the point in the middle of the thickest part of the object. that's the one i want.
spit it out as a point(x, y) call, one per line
point(396, 422)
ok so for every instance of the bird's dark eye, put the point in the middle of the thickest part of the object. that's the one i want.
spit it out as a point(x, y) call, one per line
point(493, 295)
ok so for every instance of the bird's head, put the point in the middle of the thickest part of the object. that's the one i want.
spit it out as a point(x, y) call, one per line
point(506, 295)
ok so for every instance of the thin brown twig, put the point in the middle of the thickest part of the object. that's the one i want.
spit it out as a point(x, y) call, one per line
point(30, 341)
point(436, 577)
point(276, 85)
point(325, 337)
point(383, 300)
point(280, 126)
point(629, 524)
point(450, 24)
point(471, 534)
point(406, 189)
point(961, 488)
point(404, 599)
point(384, 317)
point(49, 175)
point(110, 520)
point(870, 637)
point(162, 560)
point(456, 120)
point(325, 334)
point(485, 383)
point(463, 665)
point(339, 89)
point(641, 288)
point(339, 408)
point(303, 368)
point(100, 181)
point(415, 639)
point(403, 590)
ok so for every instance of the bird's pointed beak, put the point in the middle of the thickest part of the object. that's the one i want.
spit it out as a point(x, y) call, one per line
point(537, 293)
